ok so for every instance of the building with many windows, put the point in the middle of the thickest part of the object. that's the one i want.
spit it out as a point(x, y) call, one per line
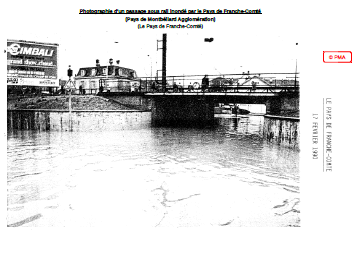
point(106, 78)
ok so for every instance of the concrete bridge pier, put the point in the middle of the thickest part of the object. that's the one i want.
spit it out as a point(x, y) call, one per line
point(176, 111)
point(285, 105)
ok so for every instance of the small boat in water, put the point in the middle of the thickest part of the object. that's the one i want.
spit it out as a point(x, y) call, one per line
point(231, 110)
point(239, 111)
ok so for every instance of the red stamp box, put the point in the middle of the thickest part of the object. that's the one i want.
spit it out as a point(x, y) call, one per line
point(337, 56)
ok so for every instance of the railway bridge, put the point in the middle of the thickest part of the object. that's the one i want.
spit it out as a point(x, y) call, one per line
point(196, 106)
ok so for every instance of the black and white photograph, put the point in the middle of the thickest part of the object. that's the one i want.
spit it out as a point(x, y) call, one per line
point(175, 116)
point(166, 131)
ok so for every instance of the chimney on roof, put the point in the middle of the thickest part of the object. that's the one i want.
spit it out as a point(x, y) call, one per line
point(117, 62)
point(111, 61)
point(97, 62)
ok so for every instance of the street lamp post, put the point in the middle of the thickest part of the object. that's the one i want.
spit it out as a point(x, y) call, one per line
point(70, 85)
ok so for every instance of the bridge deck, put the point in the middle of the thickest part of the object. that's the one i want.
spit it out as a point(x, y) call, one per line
point(258, 94)
point(240, 91)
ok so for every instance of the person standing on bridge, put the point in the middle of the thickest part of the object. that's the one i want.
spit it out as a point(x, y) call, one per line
point(205, 83)
point(190, 87)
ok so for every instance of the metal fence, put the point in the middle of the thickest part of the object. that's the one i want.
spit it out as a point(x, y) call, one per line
point(245, 82)
point(220, 83)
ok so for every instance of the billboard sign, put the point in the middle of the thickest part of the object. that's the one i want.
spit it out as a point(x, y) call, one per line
point(32, 63)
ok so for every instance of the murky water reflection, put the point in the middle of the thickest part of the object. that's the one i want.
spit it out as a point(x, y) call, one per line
point(226, 175)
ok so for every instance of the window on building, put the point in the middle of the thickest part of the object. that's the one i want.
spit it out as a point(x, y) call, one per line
point(93, 84)
point(110, 70)
point(83, 72)
point(104, 71)
point(93, 72)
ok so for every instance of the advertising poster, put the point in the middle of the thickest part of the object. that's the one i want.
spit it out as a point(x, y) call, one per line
point(31, 63)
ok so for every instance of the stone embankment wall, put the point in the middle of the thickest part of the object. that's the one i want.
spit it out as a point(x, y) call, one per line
point(61, 102)
point(58, 120)
point(133, 102)
point(284, 131)
point(283, 106)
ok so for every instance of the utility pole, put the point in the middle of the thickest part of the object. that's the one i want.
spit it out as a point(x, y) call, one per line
point(296, 75)
point(164, 61)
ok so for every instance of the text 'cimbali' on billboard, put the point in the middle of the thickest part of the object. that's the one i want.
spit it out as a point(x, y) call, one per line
point(32, 63)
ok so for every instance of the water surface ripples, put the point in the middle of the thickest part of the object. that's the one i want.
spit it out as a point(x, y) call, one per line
point(51, 174)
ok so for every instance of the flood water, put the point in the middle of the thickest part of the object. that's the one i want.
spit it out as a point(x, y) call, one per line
point(226, 175)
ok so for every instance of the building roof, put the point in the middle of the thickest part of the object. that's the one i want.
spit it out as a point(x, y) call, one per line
point(257, 78)
point(113, 70)
point(106, 66)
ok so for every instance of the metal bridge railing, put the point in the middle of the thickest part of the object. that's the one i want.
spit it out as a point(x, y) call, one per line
point(274, 82)
point(245, 82)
